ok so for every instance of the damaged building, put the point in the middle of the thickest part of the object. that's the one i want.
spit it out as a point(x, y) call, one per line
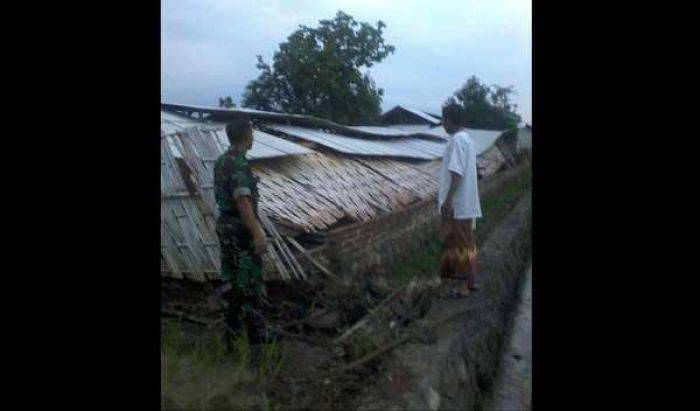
point(334, 199)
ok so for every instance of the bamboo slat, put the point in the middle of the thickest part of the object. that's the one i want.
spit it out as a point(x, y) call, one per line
point(312, 192)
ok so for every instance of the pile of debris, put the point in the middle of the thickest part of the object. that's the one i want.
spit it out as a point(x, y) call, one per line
point(357, 322)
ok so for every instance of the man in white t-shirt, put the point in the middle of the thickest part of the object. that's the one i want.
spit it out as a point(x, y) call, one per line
point(458, 202)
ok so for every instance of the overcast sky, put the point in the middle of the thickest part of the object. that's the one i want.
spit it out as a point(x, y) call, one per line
point(208, 47)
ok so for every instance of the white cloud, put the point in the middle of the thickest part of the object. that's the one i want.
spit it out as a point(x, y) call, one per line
point(209, 46)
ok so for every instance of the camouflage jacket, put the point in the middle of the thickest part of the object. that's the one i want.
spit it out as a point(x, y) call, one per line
point(233, 177)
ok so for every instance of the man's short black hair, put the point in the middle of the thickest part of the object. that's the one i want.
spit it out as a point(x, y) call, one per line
point(452, 112)
point(238, 129)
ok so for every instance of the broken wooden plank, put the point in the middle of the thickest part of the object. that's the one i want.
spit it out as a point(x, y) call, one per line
point(183, 316)
point(305, 253)
point(371, 313)
point(284, 250)
point(272, 255)
point(275, 243)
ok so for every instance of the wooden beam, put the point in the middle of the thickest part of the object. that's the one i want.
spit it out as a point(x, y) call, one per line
point(305, 253)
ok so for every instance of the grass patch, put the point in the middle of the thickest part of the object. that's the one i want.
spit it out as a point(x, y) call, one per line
point(494, 206)
point(197, 372)
point(516, 260)
point(499, 203)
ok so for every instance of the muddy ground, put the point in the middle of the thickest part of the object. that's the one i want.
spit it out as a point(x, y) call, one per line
point(457, 367)
point(313, 314)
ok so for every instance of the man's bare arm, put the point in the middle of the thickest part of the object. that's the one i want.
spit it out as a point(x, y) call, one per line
point(245, 207)
point(455, 179)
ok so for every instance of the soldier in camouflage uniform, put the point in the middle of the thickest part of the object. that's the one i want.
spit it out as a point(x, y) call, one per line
point(240, 237)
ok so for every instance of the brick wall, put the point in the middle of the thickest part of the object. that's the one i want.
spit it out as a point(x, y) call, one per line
point(373, 246)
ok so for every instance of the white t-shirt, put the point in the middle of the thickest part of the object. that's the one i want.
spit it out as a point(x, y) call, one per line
point(460, 157)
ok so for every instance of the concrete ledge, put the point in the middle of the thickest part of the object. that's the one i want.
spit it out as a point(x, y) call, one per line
point(459, 368)
point(370, 247)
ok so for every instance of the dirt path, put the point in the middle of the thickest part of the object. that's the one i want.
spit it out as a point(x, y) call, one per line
point(513, 387)
point(457, 367)
point(454, 365)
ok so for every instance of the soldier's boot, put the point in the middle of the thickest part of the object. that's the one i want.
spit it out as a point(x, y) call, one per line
point(259, 332)
point(232, 313)
point(233, 328)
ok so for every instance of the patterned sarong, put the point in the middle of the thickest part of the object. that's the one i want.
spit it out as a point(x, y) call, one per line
point(458, 248)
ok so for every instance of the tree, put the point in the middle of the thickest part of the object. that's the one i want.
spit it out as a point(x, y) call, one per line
point(226, 102)
point(318, 71)
point(486, 107)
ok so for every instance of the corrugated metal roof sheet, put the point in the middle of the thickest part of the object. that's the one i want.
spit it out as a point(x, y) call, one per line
point(413, 131)
point(423, 115)
point(221, 110)
point(416, 111)
point(410, 128)
point(171, 123)
point(296, 119)
point(264, 145)
point(382, 131)
point(483, 139)
point(405, 147)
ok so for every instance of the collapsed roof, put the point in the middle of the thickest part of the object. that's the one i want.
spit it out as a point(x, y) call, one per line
point(314, 175)
point(406, 115)
point(264, 145)
point(414, 142)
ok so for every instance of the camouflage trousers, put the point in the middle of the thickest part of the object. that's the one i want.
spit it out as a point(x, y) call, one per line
point(243, 287)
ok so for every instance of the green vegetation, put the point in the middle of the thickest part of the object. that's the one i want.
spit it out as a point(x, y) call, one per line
point(199, 374)
point(487, 107)
point(494, 206)
point(226, 102)
point(324, 71)
point(526, 246)
point(500, 202)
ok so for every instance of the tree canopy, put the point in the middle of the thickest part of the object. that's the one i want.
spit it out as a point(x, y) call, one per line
point(319, 71)
point(486, 107)
point(226, 102)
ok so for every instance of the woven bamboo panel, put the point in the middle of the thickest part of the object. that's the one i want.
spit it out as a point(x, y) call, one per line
point(170, 179)
point(317, 190)
point(200, 149)
point(431, 168)
point(189, 244)
point(312, 191)
point(182, 228)
point(407, 177)
point(283, 198)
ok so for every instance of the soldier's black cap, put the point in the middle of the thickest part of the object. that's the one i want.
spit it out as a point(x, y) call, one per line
point(238, 129)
